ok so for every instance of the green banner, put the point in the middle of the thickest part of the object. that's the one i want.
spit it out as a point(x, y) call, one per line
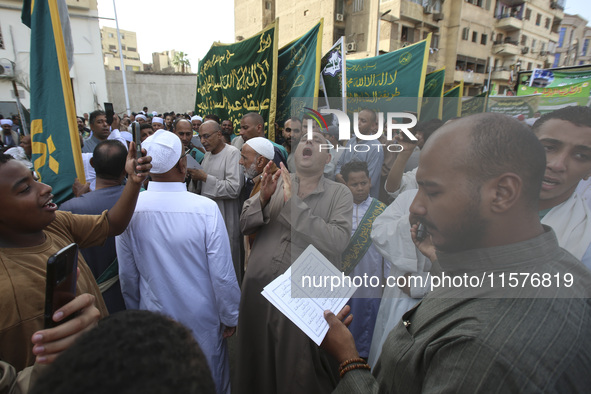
point(235, 79)
point(475, 105)
point(333, 75)
point(299, 72)
point(56, 147)
point(432, 93)
point(514, 105)
point(396, 74)
point(553, 98)
point(452, 102)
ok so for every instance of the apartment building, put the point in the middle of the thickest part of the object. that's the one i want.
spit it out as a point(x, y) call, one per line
point(571, 46)
point(476, 40)
point(110, 45)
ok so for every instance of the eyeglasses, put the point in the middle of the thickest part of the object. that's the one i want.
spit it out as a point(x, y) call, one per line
point(206, 136)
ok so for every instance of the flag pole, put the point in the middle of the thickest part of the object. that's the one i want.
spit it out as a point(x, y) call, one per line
point(121, 59)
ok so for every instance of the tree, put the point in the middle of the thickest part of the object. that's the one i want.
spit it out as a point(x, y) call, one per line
point(180, 60)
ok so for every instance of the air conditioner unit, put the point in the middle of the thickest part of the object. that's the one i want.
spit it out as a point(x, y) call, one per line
point(428, 9)
point(6, 68)
point(438, 16)
point(340, 17)
point(524, 50)
point(351, 46)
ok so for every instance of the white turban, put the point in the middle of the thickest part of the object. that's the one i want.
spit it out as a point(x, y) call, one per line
point(154, 113)
point(156, 119)
point(165, 148)
point(5, 121)
point(140, 116)
point(196, 117)
point(262, 146)
point(142, 112)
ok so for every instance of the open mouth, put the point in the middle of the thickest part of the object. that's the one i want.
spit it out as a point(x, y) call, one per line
point(549, 182)
point(50, 205)
point(307, 152)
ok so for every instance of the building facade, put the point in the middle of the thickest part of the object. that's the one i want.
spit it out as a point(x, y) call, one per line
point(477, 41)
point(571, 42)
point(87, 73)
point(110, 45)
point(171, 61)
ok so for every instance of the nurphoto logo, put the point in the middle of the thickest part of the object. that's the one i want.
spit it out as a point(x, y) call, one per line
point(345, 129)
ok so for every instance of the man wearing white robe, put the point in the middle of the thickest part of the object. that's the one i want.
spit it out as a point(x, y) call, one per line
point(221, 180)
point(174, 257)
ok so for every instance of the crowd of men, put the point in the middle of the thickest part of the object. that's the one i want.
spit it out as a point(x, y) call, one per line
point(198, 226)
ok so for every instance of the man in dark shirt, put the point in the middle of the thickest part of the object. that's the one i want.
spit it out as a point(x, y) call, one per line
point(108, 161)
point(513, 315)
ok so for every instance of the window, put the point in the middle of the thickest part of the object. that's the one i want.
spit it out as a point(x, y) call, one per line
point(465, 32)
point(483, 39)
point(117, 68)
point(523, 40)
point(358, 6)
point(499, 39)
point(556, 60)
point(112, 48)
point(132, 49)
point(123, 47)
point(529, 65)
point(111, 35)
point(1, 41)
point(547, 24)
point(527, 14)
point(407, 34)
point(585, 47)
point(542, 47)
point(267, 5)
point(561, 37)
point(533, 45)
point(474, 36)
point(538, 19)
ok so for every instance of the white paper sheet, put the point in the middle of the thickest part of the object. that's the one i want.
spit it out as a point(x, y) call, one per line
point(307, 312)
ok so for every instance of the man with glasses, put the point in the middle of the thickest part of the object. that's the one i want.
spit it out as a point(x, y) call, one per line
point(221, 180)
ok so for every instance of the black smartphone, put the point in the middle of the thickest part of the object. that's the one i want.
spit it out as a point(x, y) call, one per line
point(60, 285)
point(137, 136)
point(109, 112)
point(421, 232)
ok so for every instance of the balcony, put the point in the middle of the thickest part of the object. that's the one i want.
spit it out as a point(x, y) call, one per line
point(509, 23)
point(506, 49)
point(501, 74)
point(469, 77)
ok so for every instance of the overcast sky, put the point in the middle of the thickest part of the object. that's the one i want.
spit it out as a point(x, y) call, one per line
point(192, 26)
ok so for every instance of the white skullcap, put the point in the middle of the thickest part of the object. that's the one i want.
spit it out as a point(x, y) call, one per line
point(5, 121)
point(140, 116)
point(196, 117)
point(127, 136)
point(154, 113)
point(262, 146)
point(156, 119)
point(165, 148)
point(142, 112)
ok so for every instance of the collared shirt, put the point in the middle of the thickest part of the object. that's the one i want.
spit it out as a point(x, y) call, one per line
point(174, 258)
point(453, 342)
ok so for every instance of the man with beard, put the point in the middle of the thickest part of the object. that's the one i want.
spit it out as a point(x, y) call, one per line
point(479, 186)
point(221, 180)
point(256, 153)
point(290, 212)
point(292, 132)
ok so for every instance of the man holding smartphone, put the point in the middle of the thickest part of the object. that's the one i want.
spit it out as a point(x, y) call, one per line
point(30, 232)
